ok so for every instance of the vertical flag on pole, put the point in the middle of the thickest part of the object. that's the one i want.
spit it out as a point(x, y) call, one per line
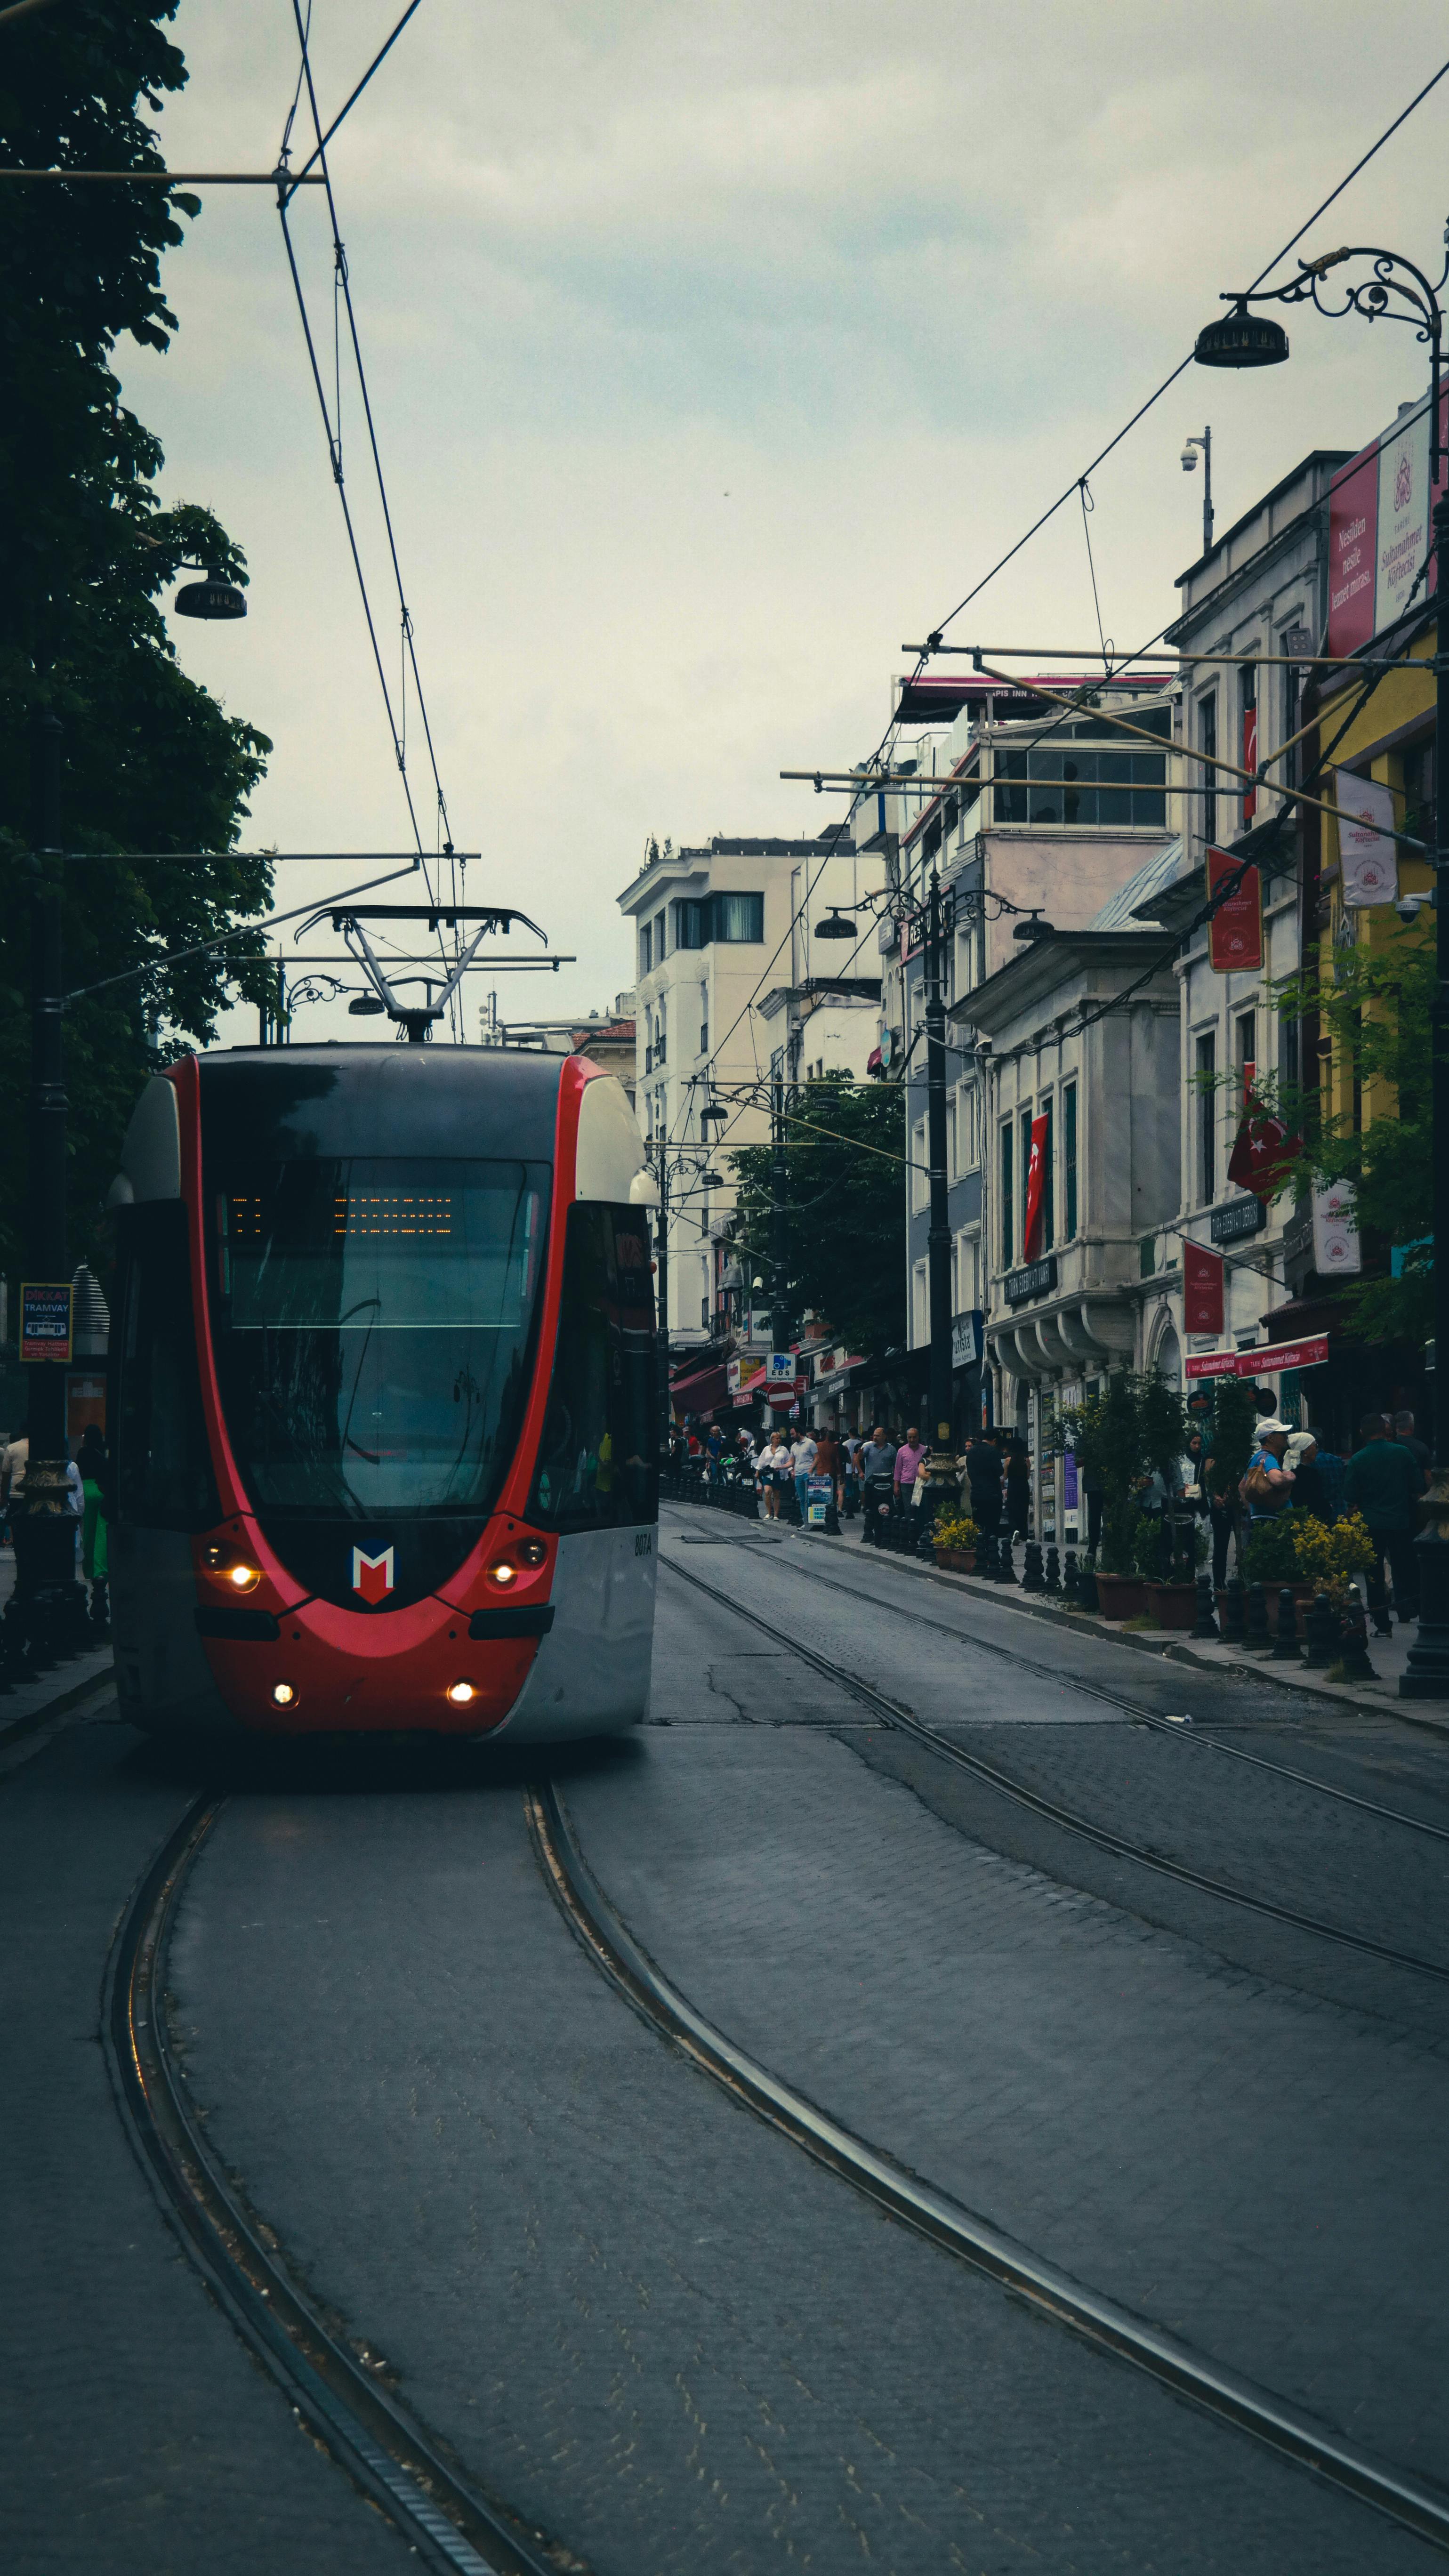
point(1202, 1288)
point(1235, 932)
point(1250, 760)
point(1036, 1172)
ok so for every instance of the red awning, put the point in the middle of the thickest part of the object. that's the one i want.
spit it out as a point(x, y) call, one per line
point(702, 1390)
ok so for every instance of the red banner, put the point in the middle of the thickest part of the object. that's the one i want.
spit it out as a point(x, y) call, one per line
point(1250, 760)
point(1202, 1288)
point(1266, 1363)
point(1235, 932)
point(1036, 1174)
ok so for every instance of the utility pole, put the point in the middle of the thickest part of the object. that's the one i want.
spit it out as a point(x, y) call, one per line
point(1426, 1675)
point(661, 1252)
point(45, 1568)
point(938, 1240)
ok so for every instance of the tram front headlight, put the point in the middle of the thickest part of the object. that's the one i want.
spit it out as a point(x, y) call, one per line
point(243, 1578)
point(460, 1693)
point(504, 1574)
point(533, 1551)
point(283, 1695)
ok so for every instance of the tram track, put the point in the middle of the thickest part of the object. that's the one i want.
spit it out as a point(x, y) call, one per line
point(1051, 2293)
point(1203, 1742)
point(1067, 1819)
point(392, 2457)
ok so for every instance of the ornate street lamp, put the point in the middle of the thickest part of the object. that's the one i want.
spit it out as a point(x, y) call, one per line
point(1396, 291)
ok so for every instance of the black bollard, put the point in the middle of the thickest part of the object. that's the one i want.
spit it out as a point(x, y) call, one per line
point(1204, 1625)
point(1087, 1592)
point(1004, 1570)
point(1032, 1579)
point(1070, 1586)
point(1235, 1604)
point(986, 1557)
point(1053, 1571)
point(1257, 1635)
point(1353, 1653)
point(1285, 1635)
point(1321, 1628)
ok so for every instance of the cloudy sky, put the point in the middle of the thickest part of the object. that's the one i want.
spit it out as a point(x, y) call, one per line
point(715, 353)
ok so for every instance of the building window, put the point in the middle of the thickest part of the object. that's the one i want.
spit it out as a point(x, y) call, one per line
point(1245, 1054)
point(1008, 1213)
point(659, 939)
point(1207, 1119)
point(1417, 775)
point(1114, 788)
point(1048, 1182)
point(920, 1174)
point(920, 1307)
point(646, 944)
point(1207, 741)
point(951, 1163)
point(968, 1126)
point(1248, 732)
point(1289, 769)
point(690, 920)
point(1069, 1163)
point(1024, 1168)
point(1288, 1052)
point(739, 917)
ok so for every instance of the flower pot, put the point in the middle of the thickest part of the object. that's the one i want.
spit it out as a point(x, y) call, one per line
point(957, 1560)
point(1121, 1596)
point(1171, 1605)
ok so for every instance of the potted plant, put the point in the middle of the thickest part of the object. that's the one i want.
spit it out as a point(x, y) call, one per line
point(1172, 1597)
point(1134, 1426)
point(1328, 1555)
point(1270, 1553)
point(953, 1538)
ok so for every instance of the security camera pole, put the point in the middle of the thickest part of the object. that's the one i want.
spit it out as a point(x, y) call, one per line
point(1395, 290)
point(938, 1240)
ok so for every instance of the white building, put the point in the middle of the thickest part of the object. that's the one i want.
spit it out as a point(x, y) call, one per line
point(734, 986)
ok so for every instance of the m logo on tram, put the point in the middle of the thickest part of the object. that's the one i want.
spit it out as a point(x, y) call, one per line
point(372, 1576)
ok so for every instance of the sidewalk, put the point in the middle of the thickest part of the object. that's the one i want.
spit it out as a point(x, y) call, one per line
point(1388, 1655)
point(33, 1704)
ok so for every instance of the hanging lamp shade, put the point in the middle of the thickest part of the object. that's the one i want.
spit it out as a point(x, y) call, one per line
point(1241, 339)
point(837, 925)
point(211, 597)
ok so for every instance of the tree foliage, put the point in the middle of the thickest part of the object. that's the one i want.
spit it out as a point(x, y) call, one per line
point(1135, 1423)
point(1376, 1006)
point(151, 761)
point(845, 1179)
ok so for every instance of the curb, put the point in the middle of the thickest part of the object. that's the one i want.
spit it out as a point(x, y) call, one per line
point(65, 1697)
point(1371, 1701)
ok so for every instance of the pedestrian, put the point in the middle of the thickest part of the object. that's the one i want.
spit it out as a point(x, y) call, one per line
point(1091, 1484)
point(1332, 1469)
point(1310, 1486)
point(94, 1466)
point(907, 1468)
point(983, 1483)
point(1018, 1490)
point(1403, 1432)
point(774, 1467)
point(1384, 1484)
point(1222, 1499)
point(1267, 1486)
point(802, 1459)
point(878, 1467)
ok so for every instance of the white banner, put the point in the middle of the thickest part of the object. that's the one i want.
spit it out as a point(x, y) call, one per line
point(1335, 1233)
point(1369, 861)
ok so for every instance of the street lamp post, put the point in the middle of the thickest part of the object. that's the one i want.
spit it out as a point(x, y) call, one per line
point(1190, 447)
point(1397, 291)
point(938, 1239)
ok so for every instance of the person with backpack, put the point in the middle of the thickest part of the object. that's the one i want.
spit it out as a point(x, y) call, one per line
point(1267, 1487)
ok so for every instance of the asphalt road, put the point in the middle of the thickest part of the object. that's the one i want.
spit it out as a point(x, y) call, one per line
point(632, 2311)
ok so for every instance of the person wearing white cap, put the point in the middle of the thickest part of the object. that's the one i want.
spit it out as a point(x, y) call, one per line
point(1310, 1488)
point(1267, 1488)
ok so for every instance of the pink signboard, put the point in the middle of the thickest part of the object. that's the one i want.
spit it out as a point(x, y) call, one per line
point(1379, 528)
point(1353, 526)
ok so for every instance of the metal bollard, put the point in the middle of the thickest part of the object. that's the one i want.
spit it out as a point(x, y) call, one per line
point(1285, 1638)
point(1070, 1583)
point(1321, 1628)
point(986, 1557)
point(1032, 1579)
point(1053, 1571)
point(1004, 1569)
point(1257, 1635)
point(1235, 1605)
point(1353, 1645)
point(1204, 1625)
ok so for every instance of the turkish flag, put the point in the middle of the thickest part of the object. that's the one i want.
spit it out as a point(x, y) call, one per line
point(1202, 1288)
point(1260, 1158)
point(1035, 1176)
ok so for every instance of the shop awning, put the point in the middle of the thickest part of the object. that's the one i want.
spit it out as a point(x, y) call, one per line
point(701, 1390)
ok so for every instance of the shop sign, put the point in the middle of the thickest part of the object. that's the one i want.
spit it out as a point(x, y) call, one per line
point(1378, 533)
point(1265, 1363)
point(732, 1376)
point(1367, 857)
point(1037, 1279)
point(780, 1369)
point(45, 1319)
point(966, 1339)
point(1240, 1218)
point(1336, 1248)
point(1202, 1289)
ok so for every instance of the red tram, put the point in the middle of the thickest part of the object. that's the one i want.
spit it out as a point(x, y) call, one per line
point(383, 1396)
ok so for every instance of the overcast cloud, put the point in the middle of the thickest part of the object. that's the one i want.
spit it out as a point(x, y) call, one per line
point(716, 353)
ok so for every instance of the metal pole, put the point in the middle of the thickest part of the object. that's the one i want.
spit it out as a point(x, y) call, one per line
point(661, 1248)
point(47, 1550)
point(938, 1240)
point(1427, 1672)
point(780, 1317)
point(1207, 489)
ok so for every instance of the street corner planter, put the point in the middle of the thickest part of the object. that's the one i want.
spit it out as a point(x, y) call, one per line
point(1121, 1596)
point(1170, 1605)
point(956, 1560)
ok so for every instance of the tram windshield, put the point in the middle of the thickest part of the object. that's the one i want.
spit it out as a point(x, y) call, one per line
point(373, 1322)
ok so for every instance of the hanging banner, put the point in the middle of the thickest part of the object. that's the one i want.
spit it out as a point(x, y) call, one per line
point(1250, 761)
point(1261, 1157)
point(1035, 1176)
point(1235, 932)
point(1202, 1288)
point(1336, 1246)
point(1213, 1364)
point(1266, 1363)
point(1368, 860)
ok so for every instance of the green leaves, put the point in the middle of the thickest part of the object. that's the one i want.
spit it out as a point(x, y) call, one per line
point(845, 1181)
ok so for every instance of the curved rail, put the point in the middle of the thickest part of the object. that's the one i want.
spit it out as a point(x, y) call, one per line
point(1051, 2293)
point(1113, 1699)
point(1066, 1817)
point(387, 2453)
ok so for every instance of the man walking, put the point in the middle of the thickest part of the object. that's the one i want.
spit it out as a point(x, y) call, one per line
point(983, 1481)
point(802, 1459)
point(1384, 1484)
point(877, 1468)
point(907, 1468)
